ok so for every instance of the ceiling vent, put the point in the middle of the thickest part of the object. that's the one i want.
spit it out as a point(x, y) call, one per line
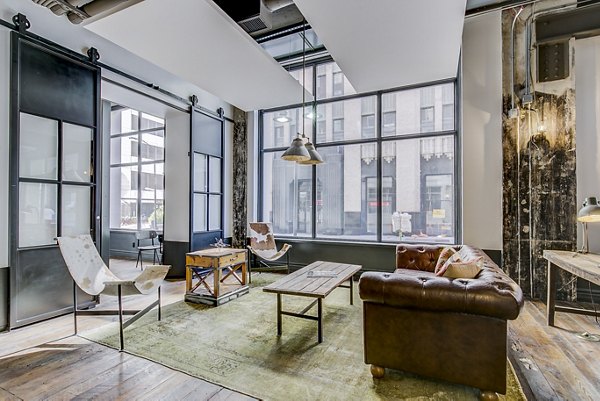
point(258, 22)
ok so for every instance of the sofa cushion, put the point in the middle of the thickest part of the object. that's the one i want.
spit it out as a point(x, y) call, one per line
point(447, 253)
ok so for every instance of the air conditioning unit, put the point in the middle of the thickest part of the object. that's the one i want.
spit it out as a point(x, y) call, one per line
point(251, 15)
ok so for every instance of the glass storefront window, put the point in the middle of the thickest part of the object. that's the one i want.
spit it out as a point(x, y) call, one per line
point(389, 164)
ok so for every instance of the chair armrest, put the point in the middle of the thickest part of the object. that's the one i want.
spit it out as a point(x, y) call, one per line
point(151, 278)
point(119, 282)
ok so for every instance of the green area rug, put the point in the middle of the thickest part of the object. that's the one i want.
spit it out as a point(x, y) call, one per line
point(236, 346)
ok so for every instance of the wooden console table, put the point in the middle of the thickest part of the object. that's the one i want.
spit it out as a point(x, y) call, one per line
point(228, 260)
point(584, 265)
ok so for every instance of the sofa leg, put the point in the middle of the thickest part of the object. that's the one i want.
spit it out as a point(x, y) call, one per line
point(377, 371)
point(488, 396)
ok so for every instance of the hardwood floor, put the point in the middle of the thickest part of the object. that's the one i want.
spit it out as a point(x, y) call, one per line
point(44, 361)
point(552, 362)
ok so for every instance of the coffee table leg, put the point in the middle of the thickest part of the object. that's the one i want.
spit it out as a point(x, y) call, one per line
point(351, 290)
point(320, 318)
point(278, 314)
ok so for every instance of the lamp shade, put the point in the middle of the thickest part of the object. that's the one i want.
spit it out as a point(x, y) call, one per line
point(315, 157)
point(297, 152)
point(590, 212)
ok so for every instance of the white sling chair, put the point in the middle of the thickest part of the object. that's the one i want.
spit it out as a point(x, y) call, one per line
point(91, 275)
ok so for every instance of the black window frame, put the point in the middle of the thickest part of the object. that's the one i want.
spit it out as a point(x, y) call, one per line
point(379, 140)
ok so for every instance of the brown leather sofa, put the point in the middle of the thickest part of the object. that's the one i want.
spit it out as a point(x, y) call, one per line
point(448, 329)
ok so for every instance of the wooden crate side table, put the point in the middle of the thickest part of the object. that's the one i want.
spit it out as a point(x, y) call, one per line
point(224, 262)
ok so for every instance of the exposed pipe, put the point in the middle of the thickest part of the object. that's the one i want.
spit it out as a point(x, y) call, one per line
point(94, 8)
point(59, 9)
point(274, 5)
point(512, 64)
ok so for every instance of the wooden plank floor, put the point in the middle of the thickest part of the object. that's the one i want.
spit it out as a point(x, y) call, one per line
point(44, 361)
point(552, 362)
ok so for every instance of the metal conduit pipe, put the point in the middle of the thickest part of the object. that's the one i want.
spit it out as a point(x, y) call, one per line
point(274, 5)
point(58, 9)
point(512, 61)
point(94, 8)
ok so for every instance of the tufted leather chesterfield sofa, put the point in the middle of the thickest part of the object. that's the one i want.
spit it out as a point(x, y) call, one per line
point(448, 329)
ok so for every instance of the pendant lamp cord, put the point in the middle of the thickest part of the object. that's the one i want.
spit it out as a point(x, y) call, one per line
point(303, 70)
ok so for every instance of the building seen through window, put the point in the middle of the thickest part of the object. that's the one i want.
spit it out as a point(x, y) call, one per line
point(399, 164)
point(137, 154)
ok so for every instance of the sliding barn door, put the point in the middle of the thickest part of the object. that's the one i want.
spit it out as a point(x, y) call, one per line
point(206, 179)
point(54, 191)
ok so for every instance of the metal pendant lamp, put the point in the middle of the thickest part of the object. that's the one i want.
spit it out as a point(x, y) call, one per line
point(297, 152)
point(302, 153)
point(315, 157)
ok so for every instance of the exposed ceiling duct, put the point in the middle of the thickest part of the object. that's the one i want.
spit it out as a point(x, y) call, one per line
point(78, 11)
point(259, 17)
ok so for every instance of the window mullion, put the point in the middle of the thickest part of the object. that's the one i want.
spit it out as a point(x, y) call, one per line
point(379, 169)
point(139, 183)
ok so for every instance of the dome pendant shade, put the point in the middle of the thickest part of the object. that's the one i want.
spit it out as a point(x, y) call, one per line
point(590, 212)
point(315, 157)
point(297, 152)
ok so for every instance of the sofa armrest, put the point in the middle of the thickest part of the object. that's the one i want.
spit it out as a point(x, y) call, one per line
point(500, 298)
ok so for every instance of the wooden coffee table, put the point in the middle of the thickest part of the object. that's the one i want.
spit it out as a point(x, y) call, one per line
point(300, 284)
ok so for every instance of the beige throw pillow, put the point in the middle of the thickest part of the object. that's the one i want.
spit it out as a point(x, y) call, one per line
point(469, 269)
point(446, 254)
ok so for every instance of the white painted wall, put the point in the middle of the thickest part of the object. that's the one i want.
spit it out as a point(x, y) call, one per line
point(177, 176)
point(4, 134)
point(228, 181)
point(253, 155)
point(587, 104)
point(482, 131)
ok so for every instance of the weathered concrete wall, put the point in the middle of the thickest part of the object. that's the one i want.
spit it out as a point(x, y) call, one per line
point(240, 179)
point(539, 180)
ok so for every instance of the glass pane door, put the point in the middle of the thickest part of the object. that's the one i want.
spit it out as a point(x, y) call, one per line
point(206, 186)
point(38, 147)
point(77, 153)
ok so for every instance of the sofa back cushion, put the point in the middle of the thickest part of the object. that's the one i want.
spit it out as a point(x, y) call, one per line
point(417, 257)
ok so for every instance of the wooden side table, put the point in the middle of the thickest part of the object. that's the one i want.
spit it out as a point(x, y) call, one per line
point(584, 265)
point(225, 263)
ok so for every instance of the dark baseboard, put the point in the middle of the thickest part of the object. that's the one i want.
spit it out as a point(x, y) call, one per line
point(174, 255)
point(495, 255)
point(3, 299)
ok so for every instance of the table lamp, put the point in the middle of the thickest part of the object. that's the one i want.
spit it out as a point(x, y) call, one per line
point(589, 213)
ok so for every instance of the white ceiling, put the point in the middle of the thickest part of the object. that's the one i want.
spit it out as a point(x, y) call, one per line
point(389, 43)
point(196, 40)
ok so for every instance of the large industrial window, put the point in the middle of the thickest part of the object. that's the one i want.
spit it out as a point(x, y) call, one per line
point(137, 163)
point(390, 163)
